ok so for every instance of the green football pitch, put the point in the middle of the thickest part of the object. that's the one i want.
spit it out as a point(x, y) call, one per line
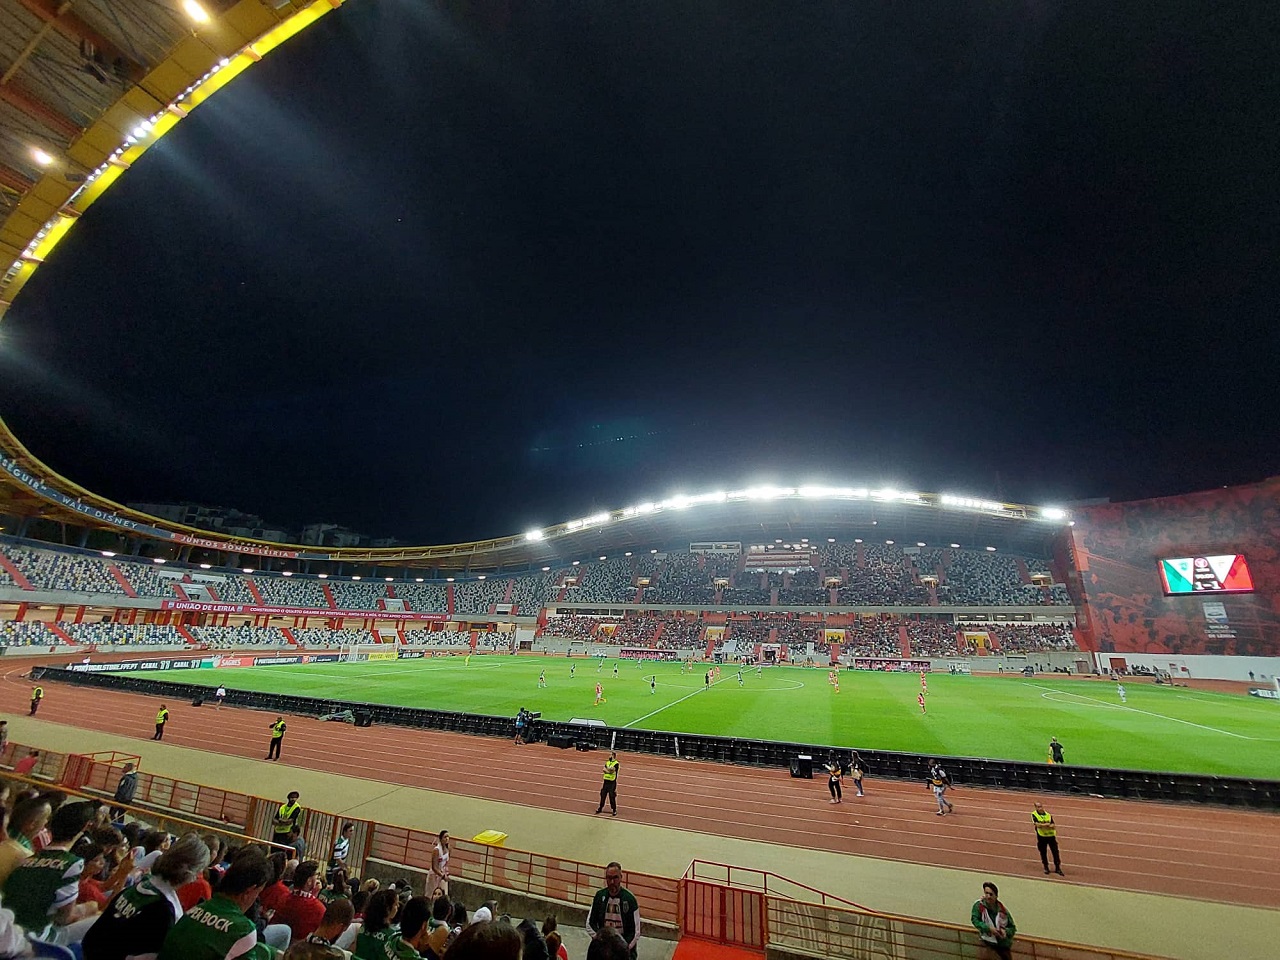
point(1159, 728)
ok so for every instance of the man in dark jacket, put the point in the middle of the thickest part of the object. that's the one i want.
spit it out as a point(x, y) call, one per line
point(615, 906)
point(126, 790)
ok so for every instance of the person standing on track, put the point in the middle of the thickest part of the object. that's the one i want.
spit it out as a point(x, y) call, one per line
point(609, 786)
point(856, 772)
point(277, 739)
point(162, 717)
point(833, 779)
point(939, 783)
point(37, 694)
point(220, 695)
point(1046, 838)
point(994, 922)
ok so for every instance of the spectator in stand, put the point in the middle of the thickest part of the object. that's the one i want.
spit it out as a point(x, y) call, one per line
point(487, 940)
point(609, 945)
point(220, 927)
point(302, 911)
point(137, 920)
point(379, 933)
point(126, 790)
point(11, 851)
point(93, 889)
point(614, 906)
point(342, 849)
point(550, 929)
point(42, 890)
point(277, 891)
point(337, 921)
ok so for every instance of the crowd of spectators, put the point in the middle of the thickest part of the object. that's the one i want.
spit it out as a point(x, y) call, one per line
point(871, 574)
point(81, 879)
point(1031, 637)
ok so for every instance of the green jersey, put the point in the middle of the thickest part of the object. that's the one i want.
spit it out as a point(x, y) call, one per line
point(383, 945)
point(214, 930)
point(42, 885)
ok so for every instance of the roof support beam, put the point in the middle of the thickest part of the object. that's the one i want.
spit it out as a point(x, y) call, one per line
point(40, 111)
point(14, 180)
point(58, 13)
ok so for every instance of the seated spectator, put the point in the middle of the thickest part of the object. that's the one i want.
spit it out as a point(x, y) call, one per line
point(338, 919)
point(302, 911)
point(313, 951)
point(42, 890)
point(137, 920)
point(608, 944)
point(28, 763)
point(277, 891)
point(27, 814)
point(379, 928)
point(488, 940)
point(415, 928)
point(219, 927)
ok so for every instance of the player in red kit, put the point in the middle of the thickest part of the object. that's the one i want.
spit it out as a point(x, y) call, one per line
point(920, 700)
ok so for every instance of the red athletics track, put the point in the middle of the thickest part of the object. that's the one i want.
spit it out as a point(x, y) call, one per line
point(1208, 853)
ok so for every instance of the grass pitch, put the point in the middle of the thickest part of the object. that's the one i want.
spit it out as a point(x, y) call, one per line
point(1159, 728)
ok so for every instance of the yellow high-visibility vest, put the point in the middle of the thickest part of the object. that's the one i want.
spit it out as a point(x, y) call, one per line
point(1044, 824)
point(162, 716)
point(611, 770)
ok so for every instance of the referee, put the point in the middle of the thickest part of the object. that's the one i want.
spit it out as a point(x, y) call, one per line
point(609, 788)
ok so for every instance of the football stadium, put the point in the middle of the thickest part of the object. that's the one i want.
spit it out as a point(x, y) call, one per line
point(949, 660)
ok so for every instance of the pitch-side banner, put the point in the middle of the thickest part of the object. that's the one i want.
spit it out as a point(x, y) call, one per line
point(244, 608)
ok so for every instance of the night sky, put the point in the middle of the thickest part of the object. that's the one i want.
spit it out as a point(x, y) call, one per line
point(448, 271)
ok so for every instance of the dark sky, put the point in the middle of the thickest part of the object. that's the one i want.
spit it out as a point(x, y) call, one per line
point(420, 269)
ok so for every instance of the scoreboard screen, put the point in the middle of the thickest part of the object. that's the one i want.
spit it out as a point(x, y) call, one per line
point(1228, 573)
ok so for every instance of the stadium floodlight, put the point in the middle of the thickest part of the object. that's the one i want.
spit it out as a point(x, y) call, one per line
point(448, 579)
point(642, 508)
point(356, 577)
point(804, 539)
point(388, 579)
point(546, 569)
point(991, 549)
point(889, 543)
point(108, 553)
point(576, 562)
point(157, 559)
point(919, 544)
point(1053, 513)
point(415, 579)
point(858, 540)
point(604, 558)
point(678, 502)
point(196, 12)
point(533, 534)
point(248, 570)
point(573, 525)
point(955, 546)
point(599, 518)
point(654, 550)
point(40, 157)
point(323, 576)
point(777, 541)
point(286, 573)
point(971, 503)
point(628, 553)
point(480, 577)
point(206, 566)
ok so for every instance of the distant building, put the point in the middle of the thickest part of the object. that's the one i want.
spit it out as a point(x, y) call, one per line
point(225, 520)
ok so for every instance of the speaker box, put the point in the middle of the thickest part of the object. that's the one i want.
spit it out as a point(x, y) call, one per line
point(561, 740)
point(802, 767)
point(198, 702)
point(585, 745)
point(364, 719)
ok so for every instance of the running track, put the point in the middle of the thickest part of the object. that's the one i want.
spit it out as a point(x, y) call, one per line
point(1208, 853)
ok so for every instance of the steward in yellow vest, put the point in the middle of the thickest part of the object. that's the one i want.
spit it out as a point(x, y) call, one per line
point(1046, 838)
point(287, 817)
point(162, 717)
point(609, 788)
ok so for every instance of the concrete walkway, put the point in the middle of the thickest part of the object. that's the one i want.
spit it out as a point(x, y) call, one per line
point(1136, 922)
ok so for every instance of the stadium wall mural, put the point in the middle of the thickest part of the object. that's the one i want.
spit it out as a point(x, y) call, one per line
point(1115, 553)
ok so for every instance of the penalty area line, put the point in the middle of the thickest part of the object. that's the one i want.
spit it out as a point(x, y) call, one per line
point(654, 713)
point(1158, 716)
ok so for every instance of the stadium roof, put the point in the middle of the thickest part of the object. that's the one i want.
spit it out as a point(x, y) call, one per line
point(87, 86)
point(753, 515)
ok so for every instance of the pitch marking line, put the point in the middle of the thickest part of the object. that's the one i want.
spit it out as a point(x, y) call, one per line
point(671, 704)
point(1158, 716)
